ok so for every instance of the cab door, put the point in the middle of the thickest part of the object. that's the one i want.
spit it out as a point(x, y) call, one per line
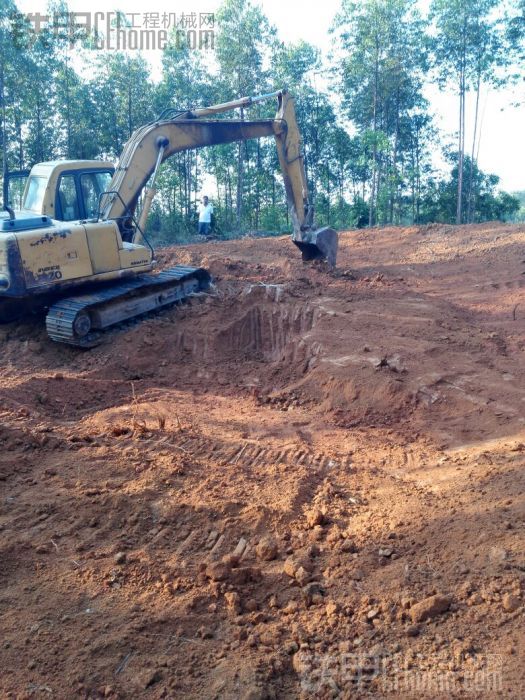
point(78, 194)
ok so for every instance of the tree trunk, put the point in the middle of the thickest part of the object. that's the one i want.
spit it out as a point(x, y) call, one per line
point(181, 173)
point(39, 144)
point(188, 185)
point(68, 110)
point(328, 194)
point(186, 193)
point(393, 184)
point(230, 195)
point(240, 173)
point(418, 179)
point(4, 135)
point(130, 116)
point(195, 198)
point(413, 181)
point(461, 154)
point(257, 186)
point(371, 211)
point(470, 210)
point(459, 204)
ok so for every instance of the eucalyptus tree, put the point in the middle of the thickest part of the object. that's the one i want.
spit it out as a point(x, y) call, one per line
point(121, 98)
point(515, 44)
point(467, 41)
point(184, 84)
point(439, 201)
point(381, 62)
point(297, 67)
point(27, 59)
point(243, 45)
point(9, 68)
point(515, 33)
point(330, 156)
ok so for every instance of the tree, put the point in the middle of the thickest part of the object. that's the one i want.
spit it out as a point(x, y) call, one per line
point(515, 31)
point(383, 57)
point(466, 49)
point(439, 202)
point(183, 85)
point(243, 40)
point(26, 59)
point(9, 62)
point(519, 216)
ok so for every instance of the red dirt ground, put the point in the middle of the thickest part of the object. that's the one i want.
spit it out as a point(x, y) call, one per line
point(256, 495)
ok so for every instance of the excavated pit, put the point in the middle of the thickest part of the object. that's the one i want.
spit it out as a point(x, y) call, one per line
point(263, 326)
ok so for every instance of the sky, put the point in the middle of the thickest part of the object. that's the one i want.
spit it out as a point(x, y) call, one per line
point(502, 143)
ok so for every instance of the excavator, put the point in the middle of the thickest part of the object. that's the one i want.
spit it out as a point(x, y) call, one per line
point(77, 247)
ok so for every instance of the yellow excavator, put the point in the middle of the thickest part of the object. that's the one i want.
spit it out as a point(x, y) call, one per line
point(78, 249)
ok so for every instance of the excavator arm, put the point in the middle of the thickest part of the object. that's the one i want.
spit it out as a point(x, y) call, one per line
point(151, 145)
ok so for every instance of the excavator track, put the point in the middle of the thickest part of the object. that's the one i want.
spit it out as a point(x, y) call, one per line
point(79, 320)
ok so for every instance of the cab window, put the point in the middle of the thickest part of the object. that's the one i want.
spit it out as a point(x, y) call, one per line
point(67, 195)
point(92, 185)
point(16, 184)
point(34, 198)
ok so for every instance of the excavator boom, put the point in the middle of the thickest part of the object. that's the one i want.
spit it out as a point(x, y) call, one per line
point(152, 144)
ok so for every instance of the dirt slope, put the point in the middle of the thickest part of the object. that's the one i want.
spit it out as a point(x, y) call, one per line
point(306, 484)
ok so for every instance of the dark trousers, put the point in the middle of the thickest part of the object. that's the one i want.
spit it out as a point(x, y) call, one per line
point(204, 228)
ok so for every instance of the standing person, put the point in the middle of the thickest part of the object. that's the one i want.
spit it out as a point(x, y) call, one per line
point(205, 212)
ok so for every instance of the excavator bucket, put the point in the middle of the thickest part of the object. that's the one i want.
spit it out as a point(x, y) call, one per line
point(320, 244)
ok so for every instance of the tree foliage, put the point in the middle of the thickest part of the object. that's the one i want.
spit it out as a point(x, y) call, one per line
point(367, 128)
point(383, 46)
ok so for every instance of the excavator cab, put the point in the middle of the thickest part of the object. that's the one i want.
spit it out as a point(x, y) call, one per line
point(67, 190)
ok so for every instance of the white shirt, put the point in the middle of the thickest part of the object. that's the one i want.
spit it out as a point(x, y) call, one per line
point(205, 212)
